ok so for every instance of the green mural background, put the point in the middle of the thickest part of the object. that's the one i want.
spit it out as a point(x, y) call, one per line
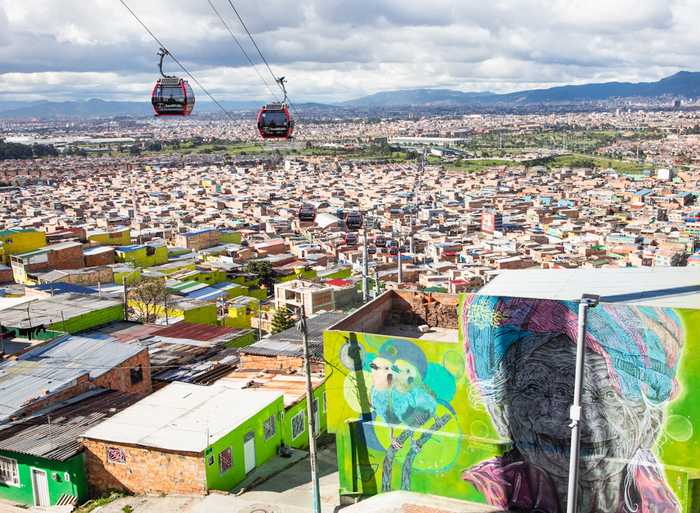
point(469, 436)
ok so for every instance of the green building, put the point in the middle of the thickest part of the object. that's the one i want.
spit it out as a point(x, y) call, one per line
point(111, 238)
point(142, 256)
point(41, 460)
point(205, 443)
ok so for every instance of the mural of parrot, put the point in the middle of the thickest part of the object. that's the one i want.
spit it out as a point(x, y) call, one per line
point(380, 398)
point(411, 400)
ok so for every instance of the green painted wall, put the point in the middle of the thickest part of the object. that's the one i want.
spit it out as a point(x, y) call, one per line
point(141, 258)
point(243, 341)
point(24, 494)
point(345, 273)
point(260, 294)
point(131, 277)
point(302, 441)
point(89, 320)
point(264, 449)
point(205, 314)
point(648, 414)
point(231, 237)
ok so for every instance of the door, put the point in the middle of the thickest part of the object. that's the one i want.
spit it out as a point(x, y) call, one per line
point(249, 452)
point(317, 418)
point(40, 484)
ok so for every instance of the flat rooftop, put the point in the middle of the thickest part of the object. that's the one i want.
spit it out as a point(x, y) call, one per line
point(411, 331)
point(179, 416)
point(671, 287)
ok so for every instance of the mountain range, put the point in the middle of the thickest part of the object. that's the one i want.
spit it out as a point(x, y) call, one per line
point(682, 84)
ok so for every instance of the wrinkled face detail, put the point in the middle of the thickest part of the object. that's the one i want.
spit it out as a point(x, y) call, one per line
point(381, 374)
point(539, 392)
point(406, 376)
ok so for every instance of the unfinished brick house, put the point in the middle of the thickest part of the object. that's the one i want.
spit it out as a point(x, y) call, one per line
point(66, 255)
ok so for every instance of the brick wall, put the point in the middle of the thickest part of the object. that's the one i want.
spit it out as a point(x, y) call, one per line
point(68, 258)
point(106, 258)
point(145, 471)
point(253, 361)
point(119, 378)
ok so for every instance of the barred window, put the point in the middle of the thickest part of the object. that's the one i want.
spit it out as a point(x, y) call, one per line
point(298, 426)
point(116, 455)
point(9, 473)
point(136, 374)
point(270, 427)
point(225, 460)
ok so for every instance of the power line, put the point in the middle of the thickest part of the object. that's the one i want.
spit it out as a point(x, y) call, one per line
point(181, 66)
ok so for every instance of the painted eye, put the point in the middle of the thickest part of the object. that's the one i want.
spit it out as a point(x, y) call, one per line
point(532, 388)
point(610, 394)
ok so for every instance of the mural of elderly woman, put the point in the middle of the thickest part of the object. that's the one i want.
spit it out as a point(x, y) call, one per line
point(521, 359)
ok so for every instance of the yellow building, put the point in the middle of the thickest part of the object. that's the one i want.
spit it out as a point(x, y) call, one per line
point(20, 241)
point(142, 256)
point(113, 238)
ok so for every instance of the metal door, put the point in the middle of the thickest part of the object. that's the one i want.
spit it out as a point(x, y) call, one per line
point(317, 418)
point(249, 452)
point(40, 484)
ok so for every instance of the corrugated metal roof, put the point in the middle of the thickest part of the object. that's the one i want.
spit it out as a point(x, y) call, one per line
point(289, 342)
point(203, 332)
point(49, 310)
point(53, 432)
point(51, 368)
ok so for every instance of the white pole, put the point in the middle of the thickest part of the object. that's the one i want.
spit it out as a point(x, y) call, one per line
point(365, 270)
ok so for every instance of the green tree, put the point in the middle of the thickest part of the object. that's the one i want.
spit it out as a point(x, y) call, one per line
point(264, 271)
point(282, 321)
point(150, 297)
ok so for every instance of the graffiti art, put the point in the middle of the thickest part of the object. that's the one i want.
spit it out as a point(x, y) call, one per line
point(485, 417)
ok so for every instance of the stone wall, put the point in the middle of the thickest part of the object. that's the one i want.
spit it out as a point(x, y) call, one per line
point(435, 310)
point(254, 361)
point(146, 470)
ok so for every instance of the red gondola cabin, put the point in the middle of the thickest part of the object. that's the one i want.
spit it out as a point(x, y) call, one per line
point(172, 96)
point(274, 122)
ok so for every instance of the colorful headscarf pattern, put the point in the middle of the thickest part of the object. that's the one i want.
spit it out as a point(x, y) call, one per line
point(641, 344)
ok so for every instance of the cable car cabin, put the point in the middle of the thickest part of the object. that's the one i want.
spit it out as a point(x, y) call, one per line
point(351, 239)
point(380, 241)
point(274, 122)
point(371, 250)
point(393, 251)
point(172, 96)
point(307, 214)
point(353, 221)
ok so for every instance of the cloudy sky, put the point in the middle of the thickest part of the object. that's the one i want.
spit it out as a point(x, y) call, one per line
point(335, 50)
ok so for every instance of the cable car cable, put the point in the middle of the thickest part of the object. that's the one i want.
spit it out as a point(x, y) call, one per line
point(183, 68)
point(278, 80)
point(242, 50)
point(215, 51)
point(277, 44)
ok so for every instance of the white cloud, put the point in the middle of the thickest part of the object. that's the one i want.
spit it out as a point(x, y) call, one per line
point(333, 50)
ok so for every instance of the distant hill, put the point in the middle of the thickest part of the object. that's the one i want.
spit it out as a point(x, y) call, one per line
point(682, 84)
point(418, 97)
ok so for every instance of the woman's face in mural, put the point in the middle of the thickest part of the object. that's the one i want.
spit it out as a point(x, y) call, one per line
point(535, 413)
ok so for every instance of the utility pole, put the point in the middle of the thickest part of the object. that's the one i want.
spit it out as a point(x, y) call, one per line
point(575, 414)
point(310, 412)
point(400, 262)
point(126, 300)
point(365, 269)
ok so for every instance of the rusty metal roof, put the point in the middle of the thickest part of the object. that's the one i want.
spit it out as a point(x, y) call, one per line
point(53, 432)
point(202, 332)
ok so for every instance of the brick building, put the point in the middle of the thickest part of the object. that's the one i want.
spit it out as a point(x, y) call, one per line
point(198, 240)
point(184, 439)
point(66, 255)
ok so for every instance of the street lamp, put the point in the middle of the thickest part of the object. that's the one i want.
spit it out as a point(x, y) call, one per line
point(587, 301)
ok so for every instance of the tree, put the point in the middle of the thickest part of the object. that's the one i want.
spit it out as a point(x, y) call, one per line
point(282, 321)
point(264, 271)
point(150, 297)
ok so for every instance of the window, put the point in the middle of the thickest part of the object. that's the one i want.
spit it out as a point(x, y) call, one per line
point(270, 427)
point(115, 235)
point(324, 401)
point(225, 460)
point(116, 455)
point(8, 240)
point(298, 426)
point(136, 374)
point(9, 473)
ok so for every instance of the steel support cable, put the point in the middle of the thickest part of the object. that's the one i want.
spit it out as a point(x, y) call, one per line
point(277, 44)
point(216, 51)
point(181, 66)
point(242, 50)
point(266, 64)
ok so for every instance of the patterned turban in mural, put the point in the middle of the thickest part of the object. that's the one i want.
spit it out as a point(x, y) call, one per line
point(520, 357)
